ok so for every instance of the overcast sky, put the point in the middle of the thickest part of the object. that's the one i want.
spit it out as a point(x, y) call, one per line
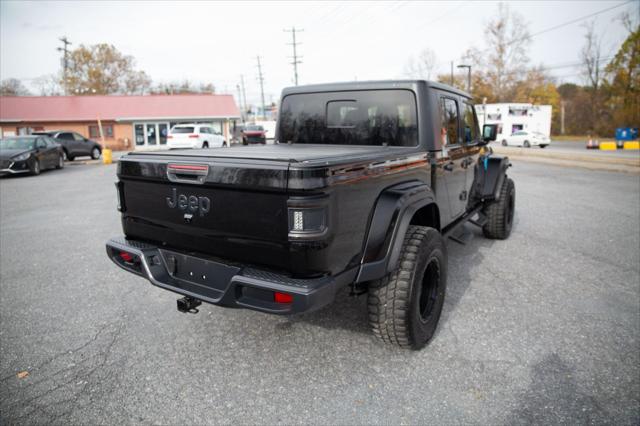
point(217, 42)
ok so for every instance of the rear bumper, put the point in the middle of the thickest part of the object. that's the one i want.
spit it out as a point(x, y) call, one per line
point(172, 144)
point(224, 284)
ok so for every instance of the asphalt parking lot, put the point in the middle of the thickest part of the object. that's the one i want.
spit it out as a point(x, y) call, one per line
point(541, 328)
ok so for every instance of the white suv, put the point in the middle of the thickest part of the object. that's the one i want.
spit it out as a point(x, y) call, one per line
point(195, 136)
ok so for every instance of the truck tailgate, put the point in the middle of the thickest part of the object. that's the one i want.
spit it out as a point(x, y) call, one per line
point(236, 211)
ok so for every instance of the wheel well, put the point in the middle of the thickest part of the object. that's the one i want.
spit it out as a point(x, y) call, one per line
point(428, 215)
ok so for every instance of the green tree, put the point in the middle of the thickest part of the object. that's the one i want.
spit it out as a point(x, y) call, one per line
point(102, 70)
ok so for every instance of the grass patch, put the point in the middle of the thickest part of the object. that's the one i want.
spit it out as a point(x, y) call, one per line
point(578, 138)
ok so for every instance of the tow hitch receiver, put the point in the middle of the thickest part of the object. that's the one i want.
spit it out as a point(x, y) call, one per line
point(188, 305)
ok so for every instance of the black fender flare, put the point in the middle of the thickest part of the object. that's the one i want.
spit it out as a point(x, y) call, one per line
point(489, 174)
point(391, 218)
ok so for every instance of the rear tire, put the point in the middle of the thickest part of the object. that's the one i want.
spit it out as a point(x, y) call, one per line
point(224, 144)
point(500, 213)
point(543, 146)
point(504, 142)
point(60, 164)
point(205, 145)
point(527, 144)
point(405, 306)
point(65, 157)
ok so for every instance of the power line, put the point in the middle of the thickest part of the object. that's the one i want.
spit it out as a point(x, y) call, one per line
point(65, 60)
point(573, 64)
point(261, 80)
point(573, 21)
point(295, 57)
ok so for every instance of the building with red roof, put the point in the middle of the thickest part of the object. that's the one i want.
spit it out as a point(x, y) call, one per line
point(128, 122)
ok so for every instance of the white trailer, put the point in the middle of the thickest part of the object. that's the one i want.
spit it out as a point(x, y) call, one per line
point(512, 117)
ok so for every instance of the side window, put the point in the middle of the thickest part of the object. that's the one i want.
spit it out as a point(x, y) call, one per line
point(449, 116)
point(65, 136)
point(203, 130)
point(77, 137)
point(470, 124)
point(50, 142)
point(40, 143)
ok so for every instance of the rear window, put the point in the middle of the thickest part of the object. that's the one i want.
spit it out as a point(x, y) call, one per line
point(254, 129)
point(368, 117)
point(178, 130)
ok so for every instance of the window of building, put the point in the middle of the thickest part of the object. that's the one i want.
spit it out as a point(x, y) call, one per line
point(139, 133)
point(94, 131)
point(449, 121)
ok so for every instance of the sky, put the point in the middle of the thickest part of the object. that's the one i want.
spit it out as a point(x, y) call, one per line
point(218, 42)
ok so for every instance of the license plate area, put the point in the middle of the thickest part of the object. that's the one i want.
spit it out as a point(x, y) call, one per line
point(198, 271)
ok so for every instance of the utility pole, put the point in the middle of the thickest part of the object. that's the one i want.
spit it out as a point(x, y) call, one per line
point(244, 93)
point(562, 103)
point(240, 102)
point(452, 73)
point(468, 67)
point(65, 61)
point(261, 80)
point(295, 56)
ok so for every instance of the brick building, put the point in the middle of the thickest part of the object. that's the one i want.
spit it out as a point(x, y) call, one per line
point(128, 122)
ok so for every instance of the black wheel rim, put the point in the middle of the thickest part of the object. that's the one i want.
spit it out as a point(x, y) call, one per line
point(429, 289)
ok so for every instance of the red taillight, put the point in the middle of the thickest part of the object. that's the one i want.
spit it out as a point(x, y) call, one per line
point(282, 297)
point(169, 136)
point(193, 136)
point(127, 257)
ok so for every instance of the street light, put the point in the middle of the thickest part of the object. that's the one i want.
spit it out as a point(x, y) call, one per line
point(468, 67)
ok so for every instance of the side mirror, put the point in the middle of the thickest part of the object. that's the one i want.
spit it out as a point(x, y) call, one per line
point(489, 132)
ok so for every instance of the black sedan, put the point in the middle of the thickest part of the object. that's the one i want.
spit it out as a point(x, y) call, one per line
point(29, 154)
point(73, 144)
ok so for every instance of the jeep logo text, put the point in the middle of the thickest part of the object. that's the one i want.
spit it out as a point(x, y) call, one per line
point(190, 203)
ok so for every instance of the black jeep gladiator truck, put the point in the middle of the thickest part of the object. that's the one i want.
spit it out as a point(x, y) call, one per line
point(363, 185)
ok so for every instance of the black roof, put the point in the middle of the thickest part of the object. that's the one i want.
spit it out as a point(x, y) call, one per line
point(372, 85)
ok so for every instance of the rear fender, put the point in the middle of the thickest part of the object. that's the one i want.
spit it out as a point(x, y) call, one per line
point(392, 215)
point(489, 174)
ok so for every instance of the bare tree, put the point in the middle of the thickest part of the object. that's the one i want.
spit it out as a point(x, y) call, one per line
point(591, 56)
point(507, 40)
point(48, 85)
point(422, 66)
point(13, 87)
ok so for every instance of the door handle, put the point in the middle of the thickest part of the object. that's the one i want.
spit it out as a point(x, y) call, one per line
point(449, 166)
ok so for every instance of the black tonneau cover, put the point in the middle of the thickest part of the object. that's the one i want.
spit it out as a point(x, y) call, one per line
point(302, 153)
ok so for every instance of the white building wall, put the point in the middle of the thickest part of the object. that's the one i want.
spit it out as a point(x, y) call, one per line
point(511, 117)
